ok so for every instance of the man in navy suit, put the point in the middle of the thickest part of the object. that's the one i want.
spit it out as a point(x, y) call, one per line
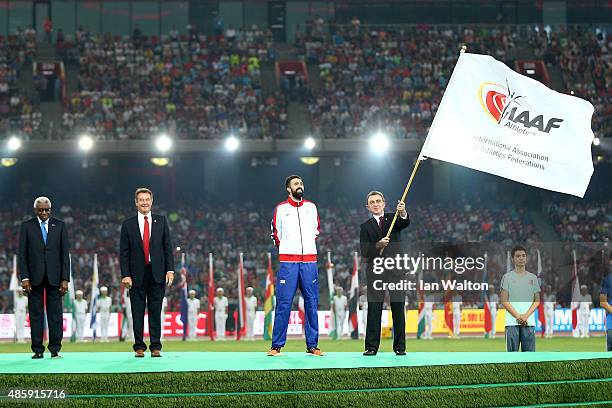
point(147, 265)
point(44, 266)
point(372, 239)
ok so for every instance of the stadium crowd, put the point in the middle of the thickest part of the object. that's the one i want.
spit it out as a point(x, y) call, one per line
point(18, 111)
point(193, 86)
point(583, 56)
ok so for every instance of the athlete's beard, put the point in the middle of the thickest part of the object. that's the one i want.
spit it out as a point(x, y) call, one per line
point(297, 194)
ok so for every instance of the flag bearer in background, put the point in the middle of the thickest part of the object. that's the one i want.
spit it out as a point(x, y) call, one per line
point(220, 306)
point(251, 310)
point(80, 306)
point(104, 307)
point(193, 310)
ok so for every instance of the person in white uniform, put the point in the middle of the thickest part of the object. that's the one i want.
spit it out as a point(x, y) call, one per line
point(493, 302)
point(163, 315)
point(363, 306)
point(193, 310)
point(80, 307)
point(129, 336)
point(251, 310)
point(549, 311)
point(220, 306)
point(584, 311)
point(21, 310)
point(103, 307)
point(340, 305)
point(457, 300)
point(428, 314)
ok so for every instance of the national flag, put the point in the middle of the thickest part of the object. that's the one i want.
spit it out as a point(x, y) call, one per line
point(421, 299)
point(541, 315)
point(14, 285)
point(494, 120)
point(354, 299)
point(269, 301)
point(184, 296)
point(241, 321)
point(211, 297)
point(95, 292)
point(575, 292)
point(488, 317)
point(448, 310)
point(69, 302)
point(329, 267)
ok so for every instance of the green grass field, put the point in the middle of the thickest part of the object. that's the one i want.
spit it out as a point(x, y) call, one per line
point(475, 385)
point(438, 344)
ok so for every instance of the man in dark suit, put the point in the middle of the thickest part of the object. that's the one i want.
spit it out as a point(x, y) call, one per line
point(373, 239)
point(44, 266)
point(147, 265)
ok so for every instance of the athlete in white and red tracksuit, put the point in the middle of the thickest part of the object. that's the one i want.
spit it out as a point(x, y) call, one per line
point(295, 227)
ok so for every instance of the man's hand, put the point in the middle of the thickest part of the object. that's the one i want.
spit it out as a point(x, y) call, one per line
point(26, 286)
point(383, 243)
point(522, 319)
point(127, 282)
point(63, 287)
point(401, 209)
point(169, 278)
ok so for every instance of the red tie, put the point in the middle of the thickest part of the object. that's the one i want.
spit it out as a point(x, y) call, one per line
point(381, 224)
point(145, 240)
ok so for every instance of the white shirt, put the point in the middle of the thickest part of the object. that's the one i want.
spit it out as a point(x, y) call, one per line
point(377, 217)
point(141, 224)
point(493, 300)
point(340, 303)
point(21, 304)
point(251, 304)
point(220, 305)
point(585, 302)
point(104, 304)
point(80, 306)
point(193, 306)
point(164, 304)
point(46, 224)
point(457, 302)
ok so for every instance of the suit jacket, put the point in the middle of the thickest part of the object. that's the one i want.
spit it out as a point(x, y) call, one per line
point(131, 250)
point(370, 233)
point(37, 259)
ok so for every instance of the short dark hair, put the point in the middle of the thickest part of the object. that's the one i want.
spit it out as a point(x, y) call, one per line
point(518, 248)
point(373, 193)
point(291, 177)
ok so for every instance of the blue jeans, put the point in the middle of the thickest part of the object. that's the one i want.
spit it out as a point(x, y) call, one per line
point(523, 336)
point(290, 276)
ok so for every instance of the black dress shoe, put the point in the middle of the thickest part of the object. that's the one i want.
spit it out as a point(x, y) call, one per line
point(36, 356)
point(400, 352)
point(56, 355)
point(369, 353)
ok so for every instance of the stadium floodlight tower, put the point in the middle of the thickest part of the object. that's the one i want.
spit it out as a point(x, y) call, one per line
point(163, 143)
point(86, 143)
point(379, 143)
point(13, 144)
point(309, 143)
point(232, 143)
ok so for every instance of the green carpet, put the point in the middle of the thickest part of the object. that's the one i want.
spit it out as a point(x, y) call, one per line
point(125, 362)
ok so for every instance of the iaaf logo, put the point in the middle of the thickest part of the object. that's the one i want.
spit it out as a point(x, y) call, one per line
point(500, 103)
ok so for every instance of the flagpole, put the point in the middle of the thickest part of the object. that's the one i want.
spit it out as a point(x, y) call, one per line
point(414, 170)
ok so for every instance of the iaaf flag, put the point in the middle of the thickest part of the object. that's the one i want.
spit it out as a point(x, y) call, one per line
point(495, 120)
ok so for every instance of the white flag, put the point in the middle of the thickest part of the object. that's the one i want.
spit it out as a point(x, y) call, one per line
point(497, 121)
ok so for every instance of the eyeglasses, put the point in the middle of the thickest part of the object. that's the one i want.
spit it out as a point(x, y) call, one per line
point(43, 209)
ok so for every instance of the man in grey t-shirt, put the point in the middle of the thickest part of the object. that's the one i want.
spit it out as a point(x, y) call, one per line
point(520, 297)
